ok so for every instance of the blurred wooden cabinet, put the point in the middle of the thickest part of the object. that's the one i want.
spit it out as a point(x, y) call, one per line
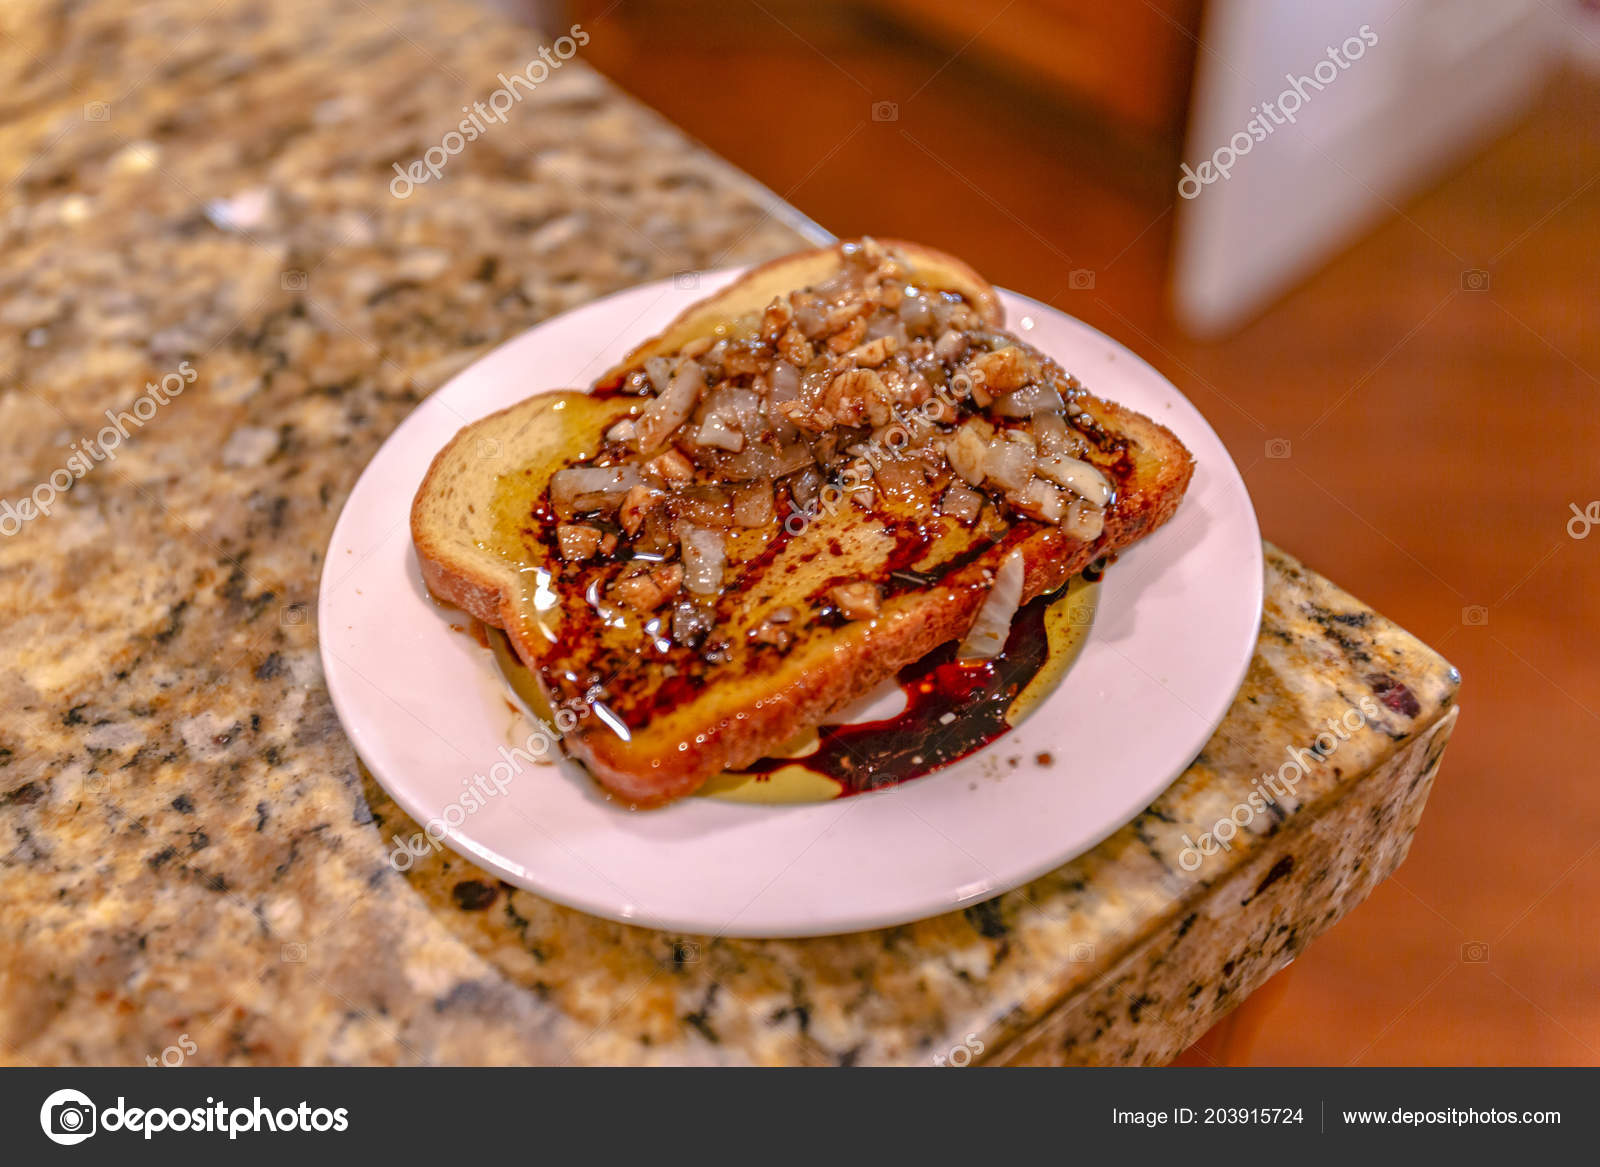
point(1132, 59)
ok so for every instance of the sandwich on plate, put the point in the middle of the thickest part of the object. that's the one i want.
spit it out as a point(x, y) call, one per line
point(808, 481)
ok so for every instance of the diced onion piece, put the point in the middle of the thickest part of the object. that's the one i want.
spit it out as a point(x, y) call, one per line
point(590, 488)
point(839, 285)
point(672, 467)
point(746, 407)
point(671, 409)
point(804, 486)
point(884, 325)
point(1008, 463)
point(815, 380)
point(784, 380)
point(967, 452)
point(756, 460)
point(901, 479)
point(794, 456)
point(1083, 520)
point(703, 558)
point(1030, 401)
point(961, 503)
point(703, 506)
point(731, 416)
point(659, 370)
point(950, 345)
point(915, 312)
point(1050, 433)
point(715, 431)
point(752, 504)
point(636, 504)
point(1077, 476)
point(986, 639)
point(808, 317)
point(1040, 500)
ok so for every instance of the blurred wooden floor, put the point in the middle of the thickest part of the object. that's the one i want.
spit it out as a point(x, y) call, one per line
point(1438, 436)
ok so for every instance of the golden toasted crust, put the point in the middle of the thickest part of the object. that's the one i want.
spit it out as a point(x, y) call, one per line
point(452, 514)
point(732, 723)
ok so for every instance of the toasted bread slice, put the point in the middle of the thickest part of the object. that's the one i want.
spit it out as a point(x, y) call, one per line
point(806, 482)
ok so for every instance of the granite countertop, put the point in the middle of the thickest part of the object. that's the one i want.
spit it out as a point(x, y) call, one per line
point(202, 240)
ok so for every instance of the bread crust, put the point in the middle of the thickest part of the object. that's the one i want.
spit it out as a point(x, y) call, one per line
point(673, 755)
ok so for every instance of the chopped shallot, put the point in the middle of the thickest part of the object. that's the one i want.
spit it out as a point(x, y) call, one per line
point(986, 639)
point(1083, 520)
point(752, 504)
point(1079, 477)
point(590, 488)
point(967, 450)
point(961, 503)
point(1040, 500)
point(672, 408)
point(703, 558)
point(1030, 401)
point(1008, 462)
point(659, 370)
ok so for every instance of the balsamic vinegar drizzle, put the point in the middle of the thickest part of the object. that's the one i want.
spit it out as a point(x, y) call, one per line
point(953, 709)
point(921, 738)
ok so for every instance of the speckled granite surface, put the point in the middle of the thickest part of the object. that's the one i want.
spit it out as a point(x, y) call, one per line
point(190, 854)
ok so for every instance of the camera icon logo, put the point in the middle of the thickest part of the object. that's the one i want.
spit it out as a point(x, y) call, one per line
point(489, 449)
point(1475, 616)
point(1081, 953)
point(686, 952)
point(294, 280)
point(885, 111)
point(686, 281)
point(292, 615)
point(292, 953)
point(1475, 952)
point(1080, 279)
point(96, 111)
point(1474, 279)
point(68, 1117)
point(1279, 448)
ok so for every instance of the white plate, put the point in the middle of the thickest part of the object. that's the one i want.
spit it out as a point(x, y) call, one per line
point(423, 704)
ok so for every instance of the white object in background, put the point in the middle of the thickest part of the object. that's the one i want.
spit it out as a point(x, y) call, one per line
point(1581, 19)
point(1416, 83)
